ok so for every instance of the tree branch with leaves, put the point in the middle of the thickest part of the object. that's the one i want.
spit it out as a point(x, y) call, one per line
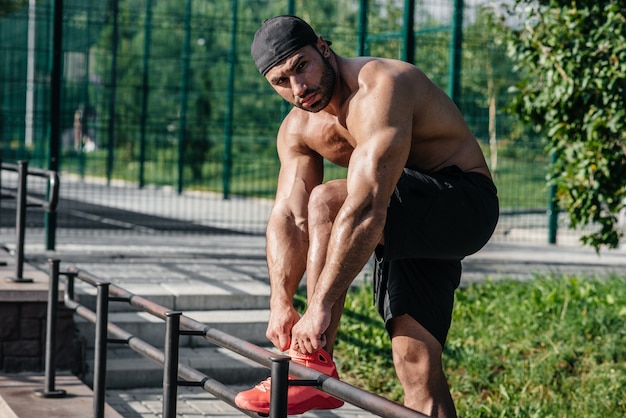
point(572, 55)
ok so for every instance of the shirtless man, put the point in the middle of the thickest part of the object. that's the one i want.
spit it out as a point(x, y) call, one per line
point(418, 193)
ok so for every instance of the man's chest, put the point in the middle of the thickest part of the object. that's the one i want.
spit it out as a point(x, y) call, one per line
point(333, 142)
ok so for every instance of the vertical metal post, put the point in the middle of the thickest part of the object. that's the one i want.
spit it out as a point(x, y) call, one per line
point(20, 223)
point(456, 45)
point(147, 30)
point(69, 285)
point(100, 350)
point(112, 91)
point(230, 104)
point(280, 386)
point(362, 30)
point(56, 80)
point(184, 87)
point(1, 185)
point(409, 35)
point(291, 10)
point(553, 210)
point(30, 74)
point(85, 119)
point(2, 263)
point(170, 366)
point(51, 329)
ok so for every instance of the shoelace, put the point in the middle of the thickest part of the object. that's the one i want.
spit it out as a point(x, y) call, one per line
point(265, 385)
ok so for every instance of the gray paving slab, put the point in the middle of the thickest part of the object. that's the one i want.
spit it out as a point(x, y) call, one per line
point(193, 402)
point(18, 398)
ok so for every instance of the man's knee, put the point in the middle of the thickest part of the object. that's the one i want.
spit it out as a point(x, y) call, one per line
point(325, 201)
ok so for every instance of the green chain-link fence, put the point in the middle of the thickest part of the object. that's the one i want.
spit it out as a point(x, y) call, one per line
point(163, 114)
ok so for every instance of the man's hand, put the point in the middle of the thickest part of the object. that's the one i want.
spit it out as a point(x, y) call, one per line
point(308, 334)
point(280, 325)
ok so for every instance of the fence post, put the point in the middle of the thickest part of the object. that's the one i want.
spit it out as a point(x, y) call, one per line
point(408, 52)
point(2, 263)
point(184, 87)
point(456, 44)
point(56, 81)
point(0, 179)
point(20, 223)
point(115, 40)
point(145, 90)
point(100, 350)
point(553, 209)
point(170, 366)
point(51, 329)
point(362, 29)
point(230, 104)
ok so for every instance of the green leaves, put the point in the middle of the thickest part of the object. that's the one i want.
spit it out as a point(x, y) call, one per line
point(573, 54)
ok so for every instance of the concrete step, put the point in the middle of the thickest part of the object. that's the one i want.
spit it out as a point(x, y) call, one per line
point(249, 325)
point(188, 295)
point(127, 369)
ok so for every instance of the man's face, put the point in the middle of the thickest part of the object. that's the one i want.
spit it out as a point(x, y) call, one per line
point(306, 79)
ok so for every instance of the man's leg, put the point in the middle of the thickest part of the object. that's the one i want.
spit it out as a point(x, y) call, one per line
point(417, 359)
point(324, 204)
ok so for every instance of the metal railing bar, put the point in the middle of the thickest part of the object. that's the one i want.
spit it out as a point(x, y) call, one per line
point(212, 386)
point(170, 367)
point(118, 294)
point(20, 224)
point(332, 386)
point(24, 200)
point(138, 345)
point(116, 341)
point(351, 394)
point(341, 390)
point(49, 390)
point(100, 349)
point(51, 203)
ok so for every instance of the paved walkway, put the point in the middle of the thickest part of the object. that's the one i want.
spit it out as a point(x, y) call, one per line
point(147, 403)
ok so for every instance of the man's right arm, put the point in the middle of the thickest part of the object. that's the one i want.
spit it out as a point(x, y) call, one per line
point(287, 233)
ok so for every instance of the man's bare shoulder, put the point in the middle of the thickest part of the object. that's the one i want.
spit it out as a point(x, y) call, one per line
point(381, 84)
point(371, 71)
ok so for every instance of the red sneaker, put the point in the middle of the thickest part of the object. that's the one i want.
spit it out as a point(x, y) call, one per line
point(299, 398)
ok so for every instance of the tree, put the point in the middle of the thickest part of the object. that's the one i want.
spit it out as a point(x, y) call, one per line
point(10, 6)
point(572, 54)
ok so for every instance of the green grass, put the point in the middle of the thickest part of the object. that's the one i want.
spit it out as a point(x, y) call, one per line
point(551, 347)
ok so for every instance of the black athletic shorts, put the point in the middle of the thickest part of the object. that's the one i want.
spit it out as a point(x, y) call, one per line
point(433, 222)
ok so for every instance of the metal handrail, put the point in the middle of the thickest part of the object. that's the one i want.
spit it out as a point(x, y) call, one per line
point(178, 324)
point(49, 204)
point(20, 193)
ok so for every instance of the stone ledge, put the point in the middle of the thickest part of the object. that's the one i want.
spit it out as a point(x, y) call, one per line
point(35, 291)
point(18, 398)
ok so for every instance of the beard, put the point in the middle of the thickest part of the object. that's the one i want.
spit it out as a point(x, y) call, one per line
point(326, 88)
